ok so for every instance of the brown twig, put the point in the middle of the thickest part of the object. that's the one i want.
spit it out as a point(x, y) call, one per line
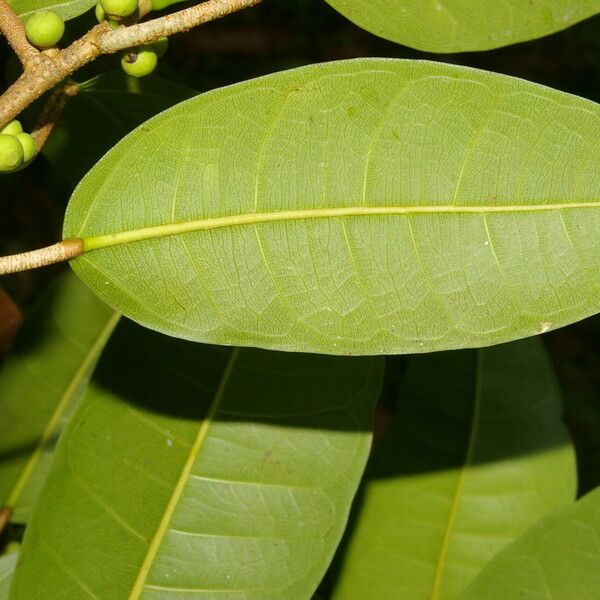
point(50, 67)
point(51, 112)
point(65, 250)
point(5, 515)
point(13, 30)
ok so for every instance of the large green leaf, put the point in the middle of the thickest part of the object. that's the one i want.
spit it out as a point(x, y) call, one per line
point(67, 9)
point(7, 567)
point(41, 383)
point(193, 471)
point(464, 25)
point(477, 453)
point(106, 108)
point(369, 206)
point(556, 559)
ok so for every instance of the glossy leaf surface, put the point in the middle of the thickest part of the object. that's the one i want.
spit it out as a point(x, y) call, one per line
point(67, 9)
point(557, 558)
point(358, 207)
point(194, 471)
point(477, 453)
point(106, 109)
point(464, 25)
point(42, 381)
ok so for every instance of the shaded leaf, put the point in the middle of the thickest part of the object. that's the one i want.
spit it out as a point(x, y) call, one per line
point(7, 567)
point(358, 207)
point(41, 383)
point(67, 9)
point(476, 454)
point(191, 470)
point(464, 25)
point(106, 108)
point(557, 558)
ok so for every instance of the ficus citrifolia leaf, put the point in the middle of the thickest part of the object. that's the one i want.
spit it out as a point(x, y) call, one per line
point(464, 25)
point(213, 471)
point(558, 557)
point(477, 452)
point(42, 381)
point(7, 567)
point(355, 207)
point(104, 110)
point(67, 9)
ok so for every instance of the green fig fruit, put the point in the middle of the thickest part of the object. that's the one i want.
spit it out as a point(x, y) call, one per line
point(139, 63)
point(11, 153)
point(119, 8)
point(12, 128)
point(44, 28)
point(29, 146)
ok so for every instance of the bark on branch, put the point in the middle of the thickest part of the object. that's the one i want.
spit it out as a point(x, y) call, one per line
point(14, 32)
point(46, 69)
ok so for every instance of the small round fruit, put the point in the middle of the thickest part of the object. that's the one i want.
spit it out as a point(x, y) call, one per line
point(159, 46)
point(139, 64)
point(119, 8)
point(11, 153)
point(29, 146)
point(12, 128)
point(44, 28)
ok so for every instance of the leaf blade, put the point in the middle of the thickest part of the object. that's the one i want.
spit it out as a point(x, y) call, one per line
point(289, 437)
point(477, 453)
point(556, 558)
point(42, 381)
point(464, 25)
point(349, 138)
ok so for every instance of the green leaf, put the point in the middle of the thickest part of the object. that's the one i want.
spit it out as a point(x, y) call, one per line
point(41, 383)
point(191, 471)
point(7, 567)
point(556, 559)
point(67, 9)
point(477, 453)
point(464, 25)
point(358, 207)
point(106, 108)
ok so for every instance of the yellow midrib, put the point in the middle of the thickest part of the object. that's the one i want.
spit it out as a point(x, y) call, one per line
point(140, 582)
point(136, 235)
point(453, 514)
point(60, 408)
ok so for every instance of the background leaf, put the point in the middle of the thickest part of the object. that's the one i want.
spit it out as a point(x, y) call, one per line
point(7, 567)
point(41, 383)
point(476, 454)
point(492, 233)
point(556, 558)
point(67, 9)
point(106, 108)
point(208, 469)
point(464, 25)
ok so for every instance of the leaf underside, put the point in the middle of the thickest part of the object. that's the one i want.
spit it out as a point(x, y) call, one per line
point(476, 454)
point(106, 108)
point(67, 9)
point(191, 471)
point(41, 382)
point(557, 558)
point(464, 25)
point(7, 567)
point(359, 207)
